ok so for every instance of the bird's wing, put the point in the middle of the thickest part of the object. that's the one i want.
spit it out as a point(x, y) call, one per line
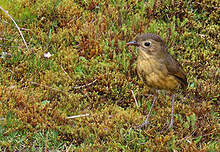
point(175, 69)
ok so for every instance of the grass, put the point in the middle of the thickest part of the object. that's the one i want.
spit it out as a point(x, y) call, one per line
point(91, 71)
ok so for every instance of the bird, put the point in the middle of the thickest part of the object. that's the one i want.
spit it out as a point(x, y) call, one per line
point(158, 69)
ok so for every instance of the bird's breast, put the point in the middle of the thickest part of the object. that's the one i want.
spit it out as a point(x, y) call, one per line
point(155, 73)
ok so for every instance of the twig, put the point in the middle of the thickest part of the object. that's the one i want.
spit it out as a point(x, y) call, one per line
point(24, 29)
point(16, 26)
point(79, 87)
point(48, 87)
point(134, 98)
point(78, 116)
point(168, 17)
point(46, 141)
point(203, 135)
point(69, 148)
point(185, 138)
point(65, 72)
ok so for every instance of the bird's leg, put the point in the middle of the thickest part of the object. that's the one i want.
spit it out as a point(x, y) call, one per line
point(148, 115)
point(171, 121)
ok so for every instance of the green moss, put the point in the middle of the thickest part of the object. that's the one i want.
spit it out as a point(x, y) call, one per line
point(91, 71)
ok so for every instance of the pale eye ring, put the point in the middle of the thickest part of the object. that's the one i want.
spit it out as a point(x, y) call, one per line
point(148, 43)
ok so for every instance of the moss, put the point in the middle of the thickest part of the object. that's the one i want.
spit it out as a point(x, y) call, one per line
point(92, 71)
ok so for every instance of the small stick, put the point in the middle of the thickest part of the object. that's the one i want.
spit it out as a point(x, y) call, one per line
point(16, 26)
point(134, 98)
point(46, 141)
point(65, 72)
point(78, 116)
point(47, 87)
point(79, 87)
point(68, 150)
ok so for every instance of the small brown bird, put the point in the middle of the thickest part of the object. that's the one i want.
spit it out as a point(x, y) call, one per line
point(157, 68)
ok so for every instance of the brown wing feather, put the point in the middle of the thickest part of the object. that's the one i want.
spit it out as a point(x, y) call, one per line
point(175, 69)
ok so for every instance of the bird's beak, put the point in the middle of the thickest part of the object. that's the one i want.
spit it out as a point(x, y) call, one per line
point(132, 43)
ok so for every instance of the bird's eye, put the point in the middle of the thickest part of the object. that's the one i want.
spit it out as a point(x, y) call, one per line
point(147, 43)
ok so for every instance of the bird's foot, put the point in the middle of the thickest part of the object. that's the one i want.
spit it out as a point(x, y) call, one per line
point(143, 125)
point(170, 125)
point(171, 120)
point(148, 115)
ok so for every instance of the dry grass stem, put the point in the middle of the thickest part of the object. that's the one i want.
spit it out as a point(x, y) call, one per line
point(16, 27)
point(134, 98)
point(78, 116)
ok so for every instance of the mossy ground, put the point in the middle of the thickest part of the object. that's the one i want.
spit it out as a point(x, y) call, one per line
point(87, 42)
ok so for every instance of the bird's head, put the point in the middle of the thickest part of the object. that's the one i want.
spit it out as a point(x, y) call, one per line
point(149, 43)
